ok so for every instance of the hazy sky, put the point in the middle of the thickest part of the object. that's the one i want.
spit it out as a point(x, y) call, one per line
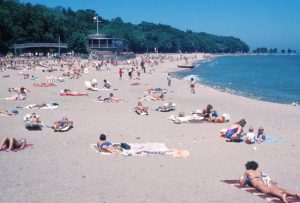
point(269, 23)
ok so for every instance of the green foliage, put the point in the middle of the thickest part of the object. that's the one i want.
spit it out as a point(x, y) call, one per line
point(76, 42)
point(24, 22)
point(261, 50)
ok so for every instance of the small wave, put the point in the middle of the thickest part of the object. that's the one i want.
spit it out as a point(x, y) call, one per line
point(188, 78)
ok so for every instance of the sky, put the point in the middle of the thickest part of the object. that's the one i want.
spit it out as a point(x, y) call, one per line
point(260, 23)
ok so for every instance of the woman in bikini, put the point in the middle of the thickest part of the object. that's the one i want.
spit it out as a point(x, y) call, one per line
point(140, 109)
point(12, 143)
point(236, 130)
point(64, 122)
point(255, 178)
point(106, 145)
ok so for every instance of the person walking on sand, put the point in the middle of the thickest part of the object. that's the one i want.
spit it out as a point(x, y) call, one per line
point(143, 66)
point(192, 86)
point(120, 74)
point(169, 79)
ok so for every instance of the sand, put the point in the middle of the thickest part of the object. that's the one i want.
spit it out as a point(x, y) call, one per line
point(62, 167)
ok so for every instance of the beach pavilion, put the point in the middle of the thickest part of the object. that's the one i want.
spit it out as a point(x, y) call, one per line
point(105, 44)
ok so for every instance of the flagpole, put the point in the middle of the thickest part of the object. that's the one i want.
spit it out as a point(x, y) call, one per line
point(97, 25)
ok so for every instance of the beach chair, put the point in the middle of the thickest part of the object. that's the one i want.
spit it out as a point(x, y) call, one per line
point(89, 86)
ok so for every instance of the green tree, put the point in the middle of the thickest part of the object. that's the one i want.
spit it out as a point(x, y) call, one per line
point(77, 42)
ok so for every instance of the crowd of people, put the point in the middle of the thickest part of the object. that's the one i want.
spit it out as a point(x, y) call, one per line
point(74, 68)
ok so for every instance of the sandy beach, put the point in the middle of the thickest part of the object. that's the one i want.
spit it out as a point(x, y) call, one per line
point(62, 167)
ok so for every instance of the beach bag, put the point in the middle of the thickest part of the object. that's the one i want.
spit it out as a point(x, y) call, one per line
point(125, 146)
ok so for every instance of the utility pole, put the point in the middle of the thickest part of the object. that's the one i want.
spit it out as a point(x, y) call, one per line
point(59, 45)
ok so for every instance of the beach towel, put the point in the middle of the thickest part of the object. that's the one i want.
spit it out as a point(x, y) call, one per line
point(139, 149)
point(29, 125)
point(65, 129)
point(253, 191)
point(33, 126)
point(101, 151)
point(44, 85)
point(16, 150)
point(185, 119)
point(155, 91)
point(47, 106)
point(138, 113)
point(73, 94)
point(166, 108)
point(269, 139)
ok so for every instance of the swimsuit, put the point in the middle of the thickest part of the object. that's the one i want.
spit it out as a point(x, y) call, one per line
point(265, 178)
point(230, 132)
point(62, 123)
point(107, 144)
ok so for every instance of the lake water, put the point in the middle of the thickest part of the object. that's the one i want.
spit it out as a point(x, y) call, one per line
point(274, 78)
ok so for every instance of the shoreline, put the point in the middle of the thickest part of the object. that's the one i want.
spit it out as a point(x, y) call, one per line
point(176, 74)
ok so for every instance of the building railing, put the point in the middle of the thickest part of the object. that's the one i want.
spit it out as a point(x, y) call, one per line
point(92, 46)
point(32, 45)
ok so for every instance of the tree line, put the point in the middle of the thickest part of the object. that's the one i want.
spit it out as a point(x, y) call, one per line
point(264, 50)
point(24, 22)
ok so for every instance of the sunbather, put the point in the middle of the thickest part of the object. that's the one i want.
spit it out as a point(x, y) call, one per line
point(12, 143)
point(68, 92)
point(39, 106)
point(155, 91)
point(106, 84)
point(153, 97)
point(113, 99)
point(208, 113)
point(255, 178)
point(21, 95)
point(170, 106)
point(8, 113)
point(34, 119)
point(106, 145)
point(44, 84)
point(140, 109)
point(61, 124)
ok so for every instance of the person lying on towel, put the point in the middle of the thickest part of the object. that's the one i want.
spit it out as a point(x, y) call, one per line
point(61, 124)
point(12, 143)
point(140, 109)
point(170, 106)
point(262, 182)
point(8, 113)
point(34, 119)
point(114, 99)
point(106, 145)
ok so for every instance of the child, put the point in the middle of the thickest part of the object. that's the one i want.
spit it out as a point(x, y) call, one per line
point(261, 137)
point(192, 85)
point(120, 73)
point(250, 136)
point(106, 84)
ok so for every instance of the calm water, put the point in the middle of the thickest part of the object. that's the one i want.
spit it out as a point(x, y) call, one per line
point(269, 78)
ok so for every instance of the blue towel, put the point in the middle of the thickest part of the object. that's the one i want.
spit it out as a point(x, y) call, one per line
point(270, 139)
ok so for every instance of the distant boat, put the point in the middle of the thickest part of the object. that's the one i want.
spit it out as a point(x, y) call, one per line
point(185, 66)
